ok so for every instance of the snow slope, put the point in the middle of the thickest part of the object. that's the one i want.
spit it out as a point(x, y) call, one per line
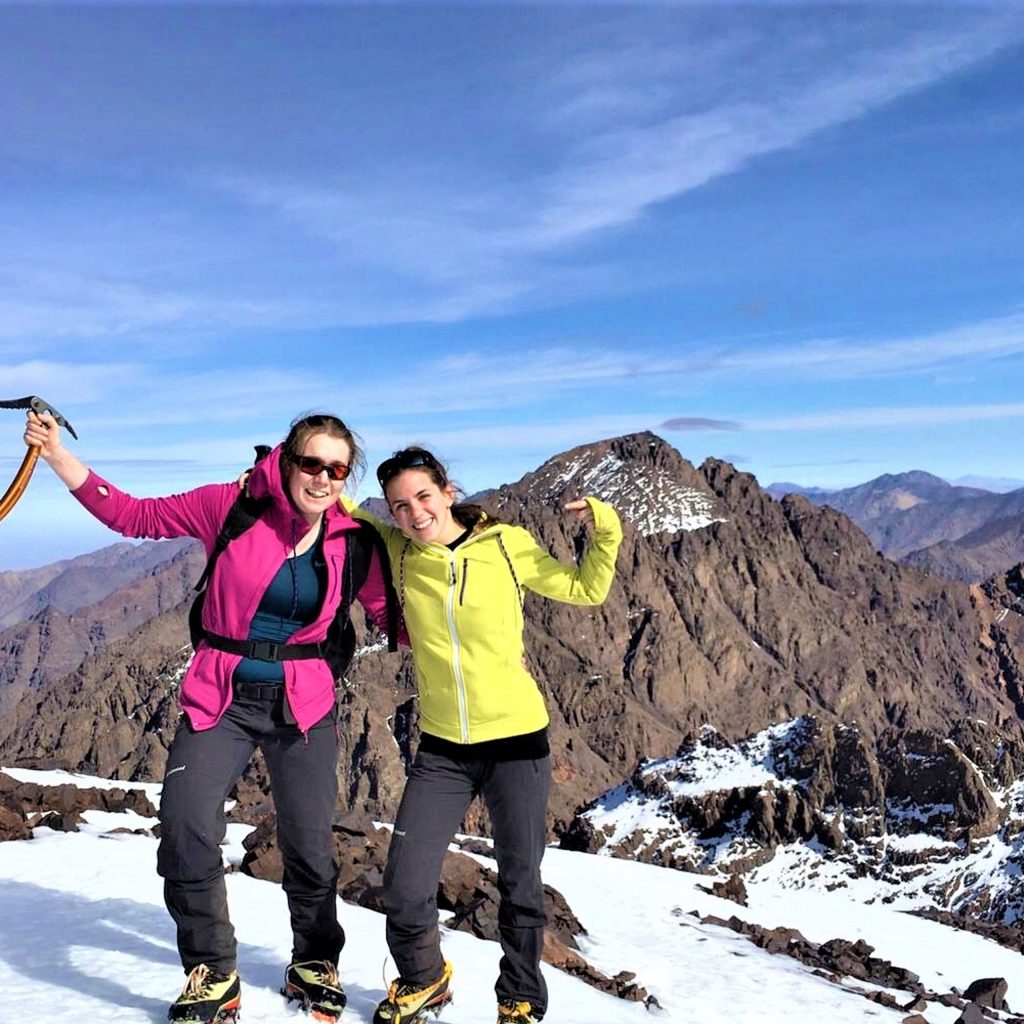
point(83, 934)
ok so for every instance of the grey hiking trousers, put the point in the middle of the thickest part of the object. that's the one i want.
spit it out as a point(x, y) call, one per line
point(202, 768)
point(437, 795)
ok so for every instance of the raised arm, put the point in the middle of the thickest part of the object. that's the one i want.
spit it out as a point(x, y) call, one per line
point(197, 513)
point(42, 432)
point(587, 583)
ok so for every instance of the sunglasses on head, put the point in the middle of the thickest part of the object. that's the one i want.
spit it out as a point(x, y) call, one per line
point(313, 467)
point(390, 468)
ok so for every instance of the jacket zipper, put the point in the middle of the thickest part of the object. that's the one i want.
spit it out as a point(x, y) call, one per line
point(460, 683)
point(465, 576)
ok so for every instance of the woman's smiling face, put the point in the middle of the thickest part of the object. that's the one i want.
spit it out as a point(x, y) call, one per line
point(313, 494)
point(422, 509)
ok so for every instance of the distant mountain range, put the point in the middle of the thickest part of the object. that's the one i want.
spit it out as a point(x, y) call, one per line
point(960, 532)
point(77, 582)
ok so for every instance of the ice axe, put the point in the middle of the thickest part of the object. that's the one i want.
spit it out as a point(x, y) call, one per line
point(28, 464)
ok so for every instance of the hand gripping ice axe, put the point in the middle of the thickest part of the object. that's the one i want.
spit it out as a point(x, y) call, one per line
point(28, 464)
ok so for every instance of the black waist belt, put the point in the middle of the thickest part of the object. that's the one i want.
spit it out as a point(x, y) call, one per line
point(264, 650)
point(257, 691)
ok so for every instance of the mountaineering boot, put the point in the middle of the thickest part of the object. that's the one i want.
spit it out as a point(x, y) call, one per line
point(517, 1013)
point(207, 998)
point(315, 984)
point(407, 1003)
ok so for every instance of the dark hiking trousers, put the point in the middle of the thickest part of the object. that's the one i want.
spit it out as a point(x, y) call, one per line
point(202, 767)
point(437, 795)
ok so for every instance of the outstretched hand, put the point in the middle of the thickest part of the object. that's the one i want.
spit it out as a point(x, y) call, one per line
point(581, 510)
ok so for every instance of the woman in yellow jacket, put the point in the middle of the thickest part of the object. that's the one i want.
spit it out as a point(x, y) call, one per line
point(461, 578)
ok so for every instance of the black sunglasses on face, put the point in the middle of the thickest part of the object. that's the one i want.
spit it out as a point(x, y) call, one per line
point(313, 467)
point(390, 468)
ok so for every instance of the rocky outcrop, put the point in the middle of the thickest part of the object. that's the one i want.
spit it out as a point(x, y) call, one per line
point(808, 779)
point(939, 817)
point(24, 805)
point(931, 786)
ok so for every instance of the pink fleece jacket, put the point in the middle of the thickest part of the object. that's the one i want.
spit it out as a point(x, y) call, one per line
point(240, 578)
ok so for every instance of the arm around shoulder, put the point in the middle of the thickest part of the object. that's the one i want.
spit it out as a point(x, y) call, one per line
point(388, 531)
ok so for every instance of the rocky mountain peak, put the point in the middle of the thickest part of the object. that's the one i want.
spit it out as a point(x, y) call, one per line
point(648, 482)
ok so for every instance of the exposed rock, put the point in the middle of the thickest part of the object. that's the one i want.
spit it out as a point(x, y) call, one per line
point(927, 776)
point(821, 791)
point(66, 821)
point(731, 889)
point(989, 992)
point(972, 1014)
point(70, 799)
point(13, 824)
point(836, 959)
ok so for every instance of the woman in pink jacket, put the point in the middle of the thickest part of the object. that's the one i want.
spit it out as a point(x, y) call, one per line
point(262, 677)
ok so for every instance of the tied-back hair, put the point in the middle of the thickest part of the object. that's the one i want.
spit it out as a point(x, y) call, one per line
point(470, 515)
point(305, 426)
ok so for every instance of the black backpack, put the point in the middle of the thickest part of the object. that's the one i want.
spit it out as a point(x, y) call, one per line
point(339, 645)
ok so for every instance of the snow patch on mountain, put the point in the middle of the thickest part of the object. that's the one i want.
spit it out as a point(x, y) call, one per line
point(649, 497)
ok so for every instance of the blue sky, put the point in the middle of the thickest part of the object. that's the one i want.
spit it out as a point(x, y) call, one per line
point(787, 236)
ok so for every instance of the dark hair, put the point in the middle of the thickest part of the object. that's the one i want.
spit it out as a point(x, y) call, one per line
point(305, 426)
point(466, 513)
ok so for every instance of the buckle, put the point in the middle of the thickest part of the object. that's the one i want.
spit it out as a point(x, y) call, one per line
point(263, 650)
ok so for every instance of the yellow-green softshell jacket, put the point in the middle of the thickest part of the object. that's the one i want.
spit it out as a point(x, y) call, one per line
point(463, 612)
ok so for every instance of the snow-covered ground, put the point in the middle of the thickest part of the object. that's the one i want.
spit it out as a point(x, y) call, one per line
point(84, 936)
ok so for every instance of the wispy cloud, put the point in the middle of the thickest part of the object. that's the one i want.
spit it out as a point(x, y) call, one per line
point(993, 338)
point(58, 380)
point(491, 242)
point(52, 304)
point(890, 416)
point(123, 394)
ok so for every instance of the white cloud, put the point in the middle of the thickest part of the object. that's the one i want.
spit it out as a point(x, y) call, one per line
point(993, 338)
point(890, 416)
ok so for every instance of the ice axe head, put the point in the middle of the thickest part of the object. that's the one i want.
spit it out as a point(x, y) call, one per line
point(17, 488)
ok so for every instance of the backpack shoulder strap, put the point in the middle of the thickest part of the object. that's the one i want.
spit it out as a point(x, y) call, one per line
point(242, 514)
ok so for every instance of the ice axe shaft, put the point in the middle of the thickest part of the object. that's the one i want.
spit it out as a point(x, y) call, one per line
point(20, 481)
